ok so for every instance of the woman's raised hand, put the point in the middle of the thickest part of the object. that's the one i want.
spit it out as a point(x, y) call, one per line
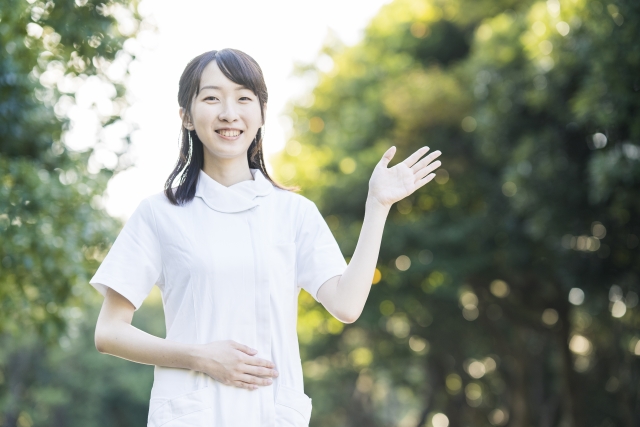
point(389, 185)
point(233, 364)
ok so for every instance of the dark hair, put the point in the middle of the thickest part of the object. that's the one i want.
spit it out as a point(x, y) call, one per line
point(240, 68)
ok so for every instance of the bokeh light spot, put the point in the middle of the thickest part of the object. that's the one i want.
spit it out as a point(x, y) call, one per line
point(398, 325)
point(476, 369)
point(618, 309)
point(598, 230)
point(563, 28)
point(499, 417)
point(387, 308)
point(442, 176)
point(403, 263)
point(581, 364)
point(539, 28)
point(420, 30)
point(579, 344)
point(404, 206)
point(576, 296)
point(293, 148)
point(509, 189)
point(473, 391)
point(468, 299)
point(549, 317)
point(612, 385)
point(440, 420)
point(347, 165)
point(499, 288)
point(361, 357)
point(546, 47)
point(469, 124)
point(419, 345)
point(470, 313)
point(484, 32)
point(316, 124)
point(377, 276)
point(599, 140)
point(453, 383)
point(615, 293)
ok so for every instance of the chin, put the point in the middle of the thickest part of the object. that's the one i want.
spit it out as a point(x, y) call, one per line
point(228, 152)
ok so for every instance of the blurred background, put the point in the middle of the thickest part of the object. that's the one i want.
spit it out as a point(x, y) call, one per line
point(506, 292)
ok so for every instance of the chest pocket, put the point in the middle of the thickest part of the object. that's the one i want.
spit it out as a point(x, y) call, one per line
point(283, 268)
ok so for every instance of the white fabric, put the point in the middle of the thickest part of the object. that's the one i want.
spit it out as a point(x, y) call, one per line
point(230, 265)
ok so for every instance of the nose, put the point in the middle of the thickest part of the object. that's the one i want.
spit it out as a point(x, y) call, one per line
point(228, 113)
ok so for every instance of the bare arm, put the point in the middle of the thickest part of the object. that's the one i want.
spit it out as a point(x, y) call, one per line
point(344, 296)
point(226, 361)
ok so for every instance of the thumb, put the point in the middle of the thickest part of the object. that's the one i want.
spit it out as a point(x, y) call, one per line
point(387, 156)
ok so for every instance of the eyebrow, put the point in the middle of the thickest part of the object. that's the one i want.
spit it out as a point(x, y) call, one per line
point(219, 88)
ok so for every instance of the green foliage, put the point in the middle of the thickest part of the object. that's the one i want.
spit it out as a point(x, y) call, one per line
point(52, 237)
point(54, 230)
point(71, 384)
point(534, 106)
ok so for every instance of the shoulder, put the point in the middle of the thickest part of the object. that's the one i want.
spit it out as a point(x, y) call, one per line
point(301, 211)
point(154, 202)
point(158, 199)
point(159, 202)
point(151, 206)
point(291, 200)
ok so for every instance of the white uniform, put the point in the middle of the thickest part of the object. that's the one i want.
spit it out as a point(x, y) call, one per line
point(230, 265)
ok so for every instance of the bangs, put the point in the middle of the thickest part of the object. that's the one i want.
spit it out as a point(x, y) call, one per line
point(241, 69)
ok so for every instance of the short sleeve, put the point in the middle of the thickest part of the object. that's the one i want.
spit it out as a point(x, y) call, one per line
point(133, 264)
point(318, 254)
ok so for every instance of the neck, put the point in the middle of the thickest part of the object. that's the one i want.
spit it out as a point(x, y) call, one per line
point(227, 171)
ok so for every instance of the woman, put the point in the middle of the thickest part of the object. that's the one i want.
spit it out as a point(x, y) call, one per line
point(230, 251)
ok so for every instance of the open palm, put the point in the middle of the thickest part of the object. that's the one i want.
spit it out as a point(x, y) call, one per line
point(389, 185)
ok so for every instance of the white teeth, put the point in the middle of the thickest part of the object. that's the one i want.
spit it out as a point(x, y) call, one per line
point(229, 133)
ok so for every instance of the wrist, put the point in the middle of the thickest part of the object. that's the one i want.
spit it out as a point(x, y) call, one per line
point(193, 357)
point(373, 204)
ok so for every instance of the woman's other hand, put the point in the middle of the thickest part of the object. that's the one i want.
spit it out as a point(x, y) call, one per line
point(233, 364)
point(389, 185)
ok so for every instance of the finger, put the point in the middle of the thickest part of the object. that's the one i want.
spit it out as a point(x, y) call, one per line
point(425, 171)
point(424, 162)
point(243, 348)
point(424, 180)
point(250, 379)
point(409, 161)
point(241, 384)
point(256, 361)
point(387, 156)
point(260, 372)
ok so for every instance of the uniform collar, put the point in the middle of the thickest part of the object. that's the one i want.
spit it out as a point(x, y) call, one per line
point(237, 198)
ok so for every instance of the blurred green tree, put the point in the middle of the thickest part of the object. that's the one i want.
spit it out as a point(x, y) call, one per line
point(507, 287)
point(59, 58)
point(71, 384)
point(54, 229)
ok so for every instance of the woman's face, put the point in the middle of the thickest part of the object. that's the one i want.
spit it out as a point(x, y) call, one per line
point(225, 115)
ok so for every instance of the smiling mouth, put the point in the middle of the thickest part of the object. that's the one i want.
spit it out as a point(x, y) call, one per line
point(229, 132)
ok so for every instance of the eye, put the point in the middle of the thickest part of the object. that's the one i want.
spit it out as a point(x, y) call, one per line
point(211, 98)
point(245, 98)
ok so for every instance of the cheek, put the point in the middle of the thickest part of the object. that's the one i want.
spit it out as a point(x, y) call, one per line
point(203, 114)
point(255, 116)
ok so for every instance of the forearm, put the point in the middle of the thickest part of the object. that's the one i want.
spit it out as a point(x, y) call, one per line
point(354, 285)
point(124, 340)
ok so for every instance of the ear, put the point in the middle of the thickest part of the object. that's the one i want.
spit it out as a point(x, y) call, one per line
point(186, 120)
